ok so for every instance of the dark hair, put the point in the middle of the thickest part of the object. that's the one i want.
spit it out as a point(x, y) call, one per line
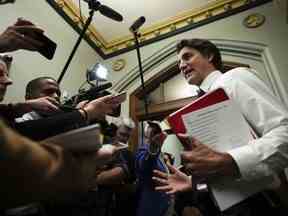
point(34, 85)
point(171, 158)
point(155, 127)
point(7, 59)
point(205, 47)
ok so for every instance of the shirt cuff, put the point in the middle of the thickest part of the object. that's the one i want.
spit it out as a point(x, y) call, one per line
point(246, 160)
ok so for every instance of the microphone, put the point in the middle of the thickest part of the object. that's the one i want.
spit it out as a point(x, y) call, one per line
point(110, 13)
point(137, 24)
point(104, 10)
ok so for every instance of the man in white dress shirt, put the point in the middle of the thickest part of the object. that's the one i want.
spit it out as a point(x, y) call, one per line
point(200, 63)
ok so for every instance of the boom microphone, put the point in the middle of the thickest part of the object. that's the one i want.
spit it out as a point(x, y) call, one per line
point(104, 10)
point(137, 24)
point(109, 12)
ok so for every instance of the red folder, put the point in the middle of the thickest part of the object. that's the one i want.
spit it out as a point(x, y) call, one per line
point(175, 119)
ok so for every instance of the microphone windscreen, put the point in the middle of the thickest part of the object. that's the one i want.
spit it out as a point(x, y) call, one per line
point(109, 12)
point(137, 24)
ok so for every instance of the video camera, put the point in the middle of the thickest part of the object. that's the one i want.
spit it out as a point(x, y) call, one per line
point(90, 94)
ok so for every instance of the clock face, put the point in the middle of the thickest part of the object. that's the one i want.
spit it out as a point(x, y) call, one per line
point(254, 20)
point(119, 64)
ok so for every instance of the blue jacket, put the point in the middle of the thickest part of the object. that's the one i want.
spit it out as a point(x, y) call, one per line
point(150, 202)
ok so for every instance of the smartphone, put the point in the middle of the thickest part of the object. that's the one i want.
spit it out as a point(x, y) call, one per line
point(7, 1)
point(49, 47)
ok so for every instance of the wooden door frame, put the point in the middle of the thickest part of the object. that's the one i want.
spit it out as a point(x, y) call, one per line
point(163, 108)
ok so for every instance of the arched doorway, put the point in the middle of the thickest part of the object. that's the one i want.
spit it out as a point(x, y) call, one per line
point(164, 96)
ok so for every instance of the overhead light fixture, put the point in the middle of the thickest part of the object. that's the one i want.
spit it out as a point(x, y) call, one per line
point(97, 72)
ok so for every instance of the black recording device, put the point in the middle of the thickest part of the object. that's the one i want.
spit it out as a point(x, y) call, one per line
point(91, 94)
point(7, 1)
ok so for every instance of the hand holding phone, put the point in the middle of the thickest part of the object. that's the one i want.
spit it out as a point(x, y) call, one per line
point(35, 36)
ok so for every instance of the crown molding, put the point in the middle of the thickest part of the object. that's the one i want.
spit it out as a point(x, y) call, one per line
point(174, 25)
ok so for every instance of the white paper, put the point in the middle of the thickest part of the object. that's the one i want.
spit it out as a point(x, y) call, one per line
point(82, 139)
point(218, 126)
point(222, 127)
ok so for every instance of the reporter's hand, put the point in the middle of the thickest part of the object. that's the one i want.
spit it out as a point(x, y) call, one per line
point(82, 104)
point(21, 35)
point(43, 104)
point(98, 108)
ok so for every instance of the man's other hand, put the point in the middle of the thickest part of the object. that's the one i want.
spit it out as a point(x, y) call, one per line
point(204, 162)
point(172, 183)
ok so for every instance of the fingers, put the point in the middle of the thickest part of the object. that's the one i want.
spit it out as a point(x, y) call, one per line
point(23, 41)
point(82, 104)
point(110, 99)
point(172, 169)
point(28, 30)
point(46, 104)
point(52, 100)
point(190, 141)
point(105, 154)
point(99, 107)
point(185, 140)
point(160, 174)
point(21, 21)
point(187, 156)
point(27, 42)
point(120, 146)
point(160, 181)
point(167, 189)
point(50, 104)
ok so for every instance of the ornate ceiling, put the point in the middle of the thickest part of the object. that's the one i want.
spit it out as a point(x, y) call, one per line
point(164, 18)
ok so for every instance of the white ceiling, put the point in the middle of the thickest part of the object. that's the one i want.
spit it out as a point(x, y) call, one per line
point(155, 11)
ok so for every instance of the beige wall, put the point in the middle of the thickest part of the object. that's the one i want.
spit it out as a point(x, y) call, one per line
point(273, 36)
point(27, 65)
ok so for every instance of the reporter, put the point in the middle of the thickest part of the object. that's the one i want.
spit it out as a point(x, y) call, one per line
point(36, 172)
point(42, 96)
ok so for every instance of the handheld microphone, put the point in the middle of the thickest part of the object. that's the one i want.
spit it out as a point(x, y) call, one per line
point(104, 10)
point(137, 24)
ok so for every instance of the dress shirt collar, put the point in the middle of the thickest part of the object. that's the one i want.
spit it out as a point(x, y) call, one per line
point(209, 80)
